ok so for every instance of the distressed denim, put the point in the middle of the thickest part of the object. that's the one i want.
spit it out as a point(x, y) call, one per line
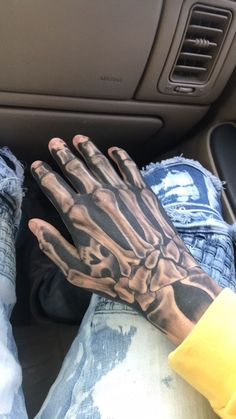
point(191, 195)
point(12, 403)
point(117, 365)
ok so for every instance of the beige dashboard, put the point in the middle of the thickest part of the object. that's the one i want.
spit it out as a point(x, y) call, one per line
point(133, 73)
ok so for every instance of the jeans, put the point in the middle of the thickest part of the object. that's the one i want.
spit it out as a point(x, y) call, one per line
point(12, 403)
point(117, 365)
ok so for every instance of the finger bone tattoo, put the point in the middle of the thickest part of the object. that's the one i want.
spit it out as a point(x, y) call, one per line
point(133, 252)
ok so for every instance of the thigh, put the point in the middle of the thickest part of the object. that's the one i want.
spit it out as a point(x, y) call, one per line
point(117, 368)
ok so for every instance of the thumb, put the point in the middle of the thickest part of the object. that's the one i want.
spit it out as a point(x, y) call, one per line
point(53, 244)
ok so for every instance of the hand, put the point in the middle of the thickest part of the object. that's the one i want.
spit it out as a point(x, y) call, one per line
point(125, 247)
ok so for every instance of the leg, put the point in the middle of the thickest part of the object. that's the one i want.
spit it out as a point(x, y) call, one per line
point(12, 403)
point(114, 370)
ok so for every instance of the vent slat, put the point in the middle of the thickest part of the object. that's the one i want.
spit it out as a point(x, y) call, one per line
point(195, 55)
point(207, 30)
point(190, 68)
point(202, 14)
point(204, 37)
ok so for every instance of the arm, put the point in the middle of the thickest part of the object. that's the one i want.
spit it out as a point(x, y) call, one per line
point(126, 248)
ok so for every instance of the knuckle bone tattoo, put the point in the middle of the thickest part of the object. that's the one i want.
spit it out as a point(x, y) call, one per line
point(126, 248)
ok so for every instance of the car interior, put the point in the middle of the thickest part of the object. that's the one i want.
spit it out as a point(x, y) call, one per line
point(156, 78)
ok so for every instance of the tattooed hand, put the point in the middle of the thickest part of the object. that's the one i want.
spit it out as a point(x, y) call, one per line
point(125, 247)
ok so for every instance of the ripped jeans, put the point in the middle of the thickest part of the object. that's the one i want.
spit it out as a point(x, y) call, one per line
point(117, 365)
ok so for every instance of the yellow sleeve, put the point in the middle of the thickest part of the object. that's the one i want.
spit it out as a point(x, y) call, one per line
point(207, 357)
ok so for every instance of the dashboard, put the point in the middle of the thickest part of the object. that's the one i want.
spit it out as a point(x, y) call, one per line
point(131, 73)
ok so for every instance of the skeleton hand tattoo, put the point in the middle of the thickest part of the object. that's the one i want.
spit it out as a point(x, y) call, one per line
point(125, 247)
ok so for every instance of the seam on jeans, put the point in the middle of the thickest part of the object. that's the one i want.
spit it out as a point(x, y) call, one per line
point(221, 228)
point(115, 311)
point(232, 229)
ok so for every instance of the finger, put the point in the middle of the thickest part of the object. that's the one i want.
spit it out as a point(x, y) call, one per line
point(96, 161)
point(66, 257)
point(157, 214)
point(55, 188)
point(127, 167)
point(53, 244)
point(72, 167)
point(103, 286)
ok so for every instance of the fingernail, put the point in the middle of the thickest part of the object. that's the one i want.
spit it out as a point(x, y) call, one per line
point(80, 139)
point(55, 142)
point(33, 226)
point(111, 149)
point(36, 164)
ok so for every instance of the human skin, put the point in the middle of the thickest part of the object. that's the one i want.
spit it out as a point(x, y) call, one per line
point(125, 246)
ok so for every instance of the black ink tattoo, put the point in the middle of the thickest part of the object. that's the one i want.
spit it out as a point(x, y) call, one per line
point(133, 252)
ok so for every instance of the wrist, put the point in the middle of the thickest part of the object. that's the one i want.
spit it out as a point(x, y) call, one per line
point(177, 307)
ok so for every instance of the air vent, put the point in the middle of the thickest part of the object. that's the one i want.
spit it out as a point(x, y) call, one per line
point(204, 36)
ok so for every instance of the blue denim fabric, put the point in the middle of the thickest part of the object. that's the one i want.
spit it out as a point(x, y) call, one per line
point(12, 403)
point(112, 369)
point(191, 196)
point(189, 193)
point(117, 366)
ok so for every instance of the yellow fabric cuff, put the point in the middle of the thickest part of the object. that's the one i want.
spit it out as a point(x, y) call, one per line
point(207, 357)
